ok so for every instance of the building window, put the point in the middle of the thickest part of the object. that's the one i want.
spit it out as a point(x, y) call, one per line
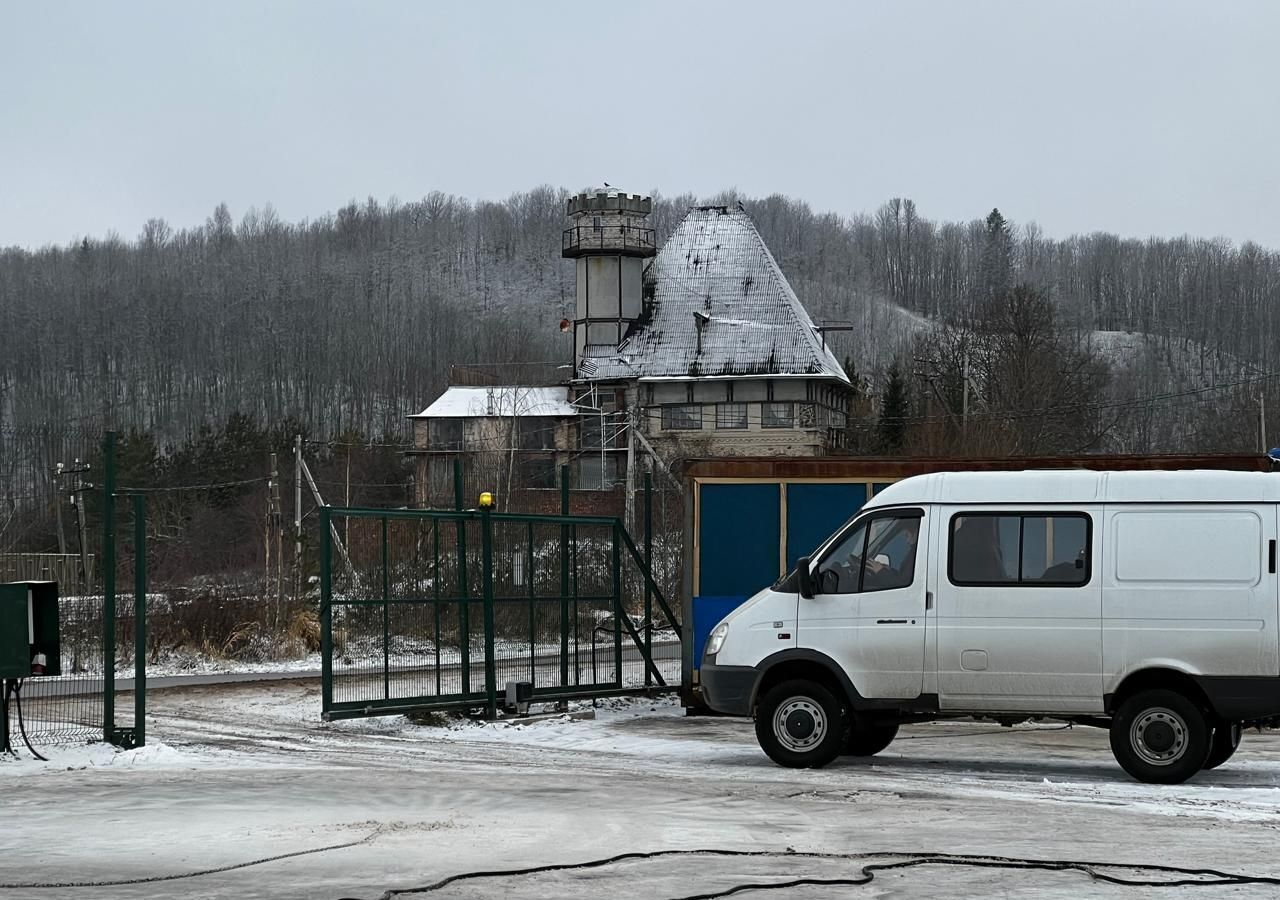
point(687, 417)
point(446, 434)
point(598, 472)
point(731, 415)
point(778, 415)
point(602, 431)
point(538, 471)
point(537, 433)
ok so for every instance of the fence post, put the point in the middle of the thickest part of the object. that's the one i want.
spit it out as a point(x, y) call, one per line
point(326, 611)
point(109, 586)
point(564, 579)
point(386, 613)
point(648, 585)
point(139, 620)
point(464, 602)
point(618, 611)
point(486, 581)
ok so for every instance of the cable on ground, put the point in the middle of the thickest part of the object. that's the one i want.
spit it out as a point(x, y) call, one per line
point(154, 879)
point(16, 688)
point(1190, 877)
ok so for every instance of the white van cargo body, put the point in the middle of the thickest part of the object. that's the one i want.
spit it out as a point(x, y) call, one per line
point(1143, 602)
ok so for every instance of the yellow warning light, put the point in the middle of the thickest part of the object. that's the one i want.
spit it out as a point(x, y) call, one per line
point(486, 500)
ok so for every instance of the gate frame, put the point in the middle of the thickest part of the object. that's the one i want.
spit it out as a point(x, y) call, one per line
point(332, 710)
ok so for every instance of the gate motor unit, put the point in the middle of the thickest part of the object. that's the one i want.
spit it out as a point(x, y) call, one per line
point(29, 629)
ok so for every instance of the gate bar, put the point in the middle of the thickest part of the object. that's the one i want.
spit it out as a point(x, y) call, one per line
point(326, 609)
point(564, 578)
point(109, 587)
point(486, 581)
point(139, 620)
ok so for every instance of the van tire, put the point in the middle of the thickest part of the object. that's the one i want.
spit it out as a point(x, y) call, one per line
point(869, 740)
point(801, 724)
point(1160, 737)
point(1226, 738)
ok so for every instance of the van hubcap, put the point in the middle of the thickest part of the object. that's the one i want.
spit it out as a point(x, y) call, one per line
point(1159, 736)
point(799, 724)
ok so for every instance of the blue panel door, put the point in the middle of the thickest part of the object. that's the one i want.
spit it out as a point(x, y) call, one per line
point(814, 511)
point(739, 529)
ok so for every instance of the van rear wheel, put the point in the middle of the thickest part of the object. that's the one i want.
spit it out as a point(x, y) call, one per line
point(1226, 738)
point(1160, 737)
point(801, 724)
point(868, 740)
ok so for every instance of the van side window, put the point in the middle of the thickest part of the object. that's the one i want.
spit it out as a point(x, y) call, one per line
point(1029, 549)
point(879, 554)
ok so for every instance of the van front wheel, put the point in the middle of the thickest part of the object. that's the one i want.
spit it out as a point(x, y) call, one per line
point(1160, 737)
point(801, 725)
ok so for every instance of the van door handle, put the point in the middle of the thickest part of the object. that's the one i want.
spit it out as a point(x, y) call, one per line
point(1271, 557)
point(891, 621)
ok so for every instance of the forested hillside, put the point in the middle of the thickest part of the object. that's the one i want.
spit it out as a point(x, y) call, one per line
point(350, 322)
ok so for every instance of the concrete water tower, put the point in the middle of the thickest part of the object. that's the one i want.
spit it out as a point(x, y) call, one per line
point(610, 239)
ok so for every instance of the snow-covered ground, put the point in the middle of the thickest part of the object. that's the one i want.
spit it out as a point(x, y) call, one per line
point(237, 773)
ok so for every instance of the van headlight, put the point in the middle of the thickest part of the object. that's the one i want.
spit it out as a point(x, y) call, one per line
point(716, 639)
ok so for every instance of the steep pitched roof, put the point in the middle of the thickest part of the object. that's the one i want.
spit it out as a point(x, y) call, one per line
point(716, 305)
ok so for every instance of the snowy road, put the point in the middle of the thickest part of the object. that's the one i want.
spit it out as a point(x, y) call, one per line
point(240, 773)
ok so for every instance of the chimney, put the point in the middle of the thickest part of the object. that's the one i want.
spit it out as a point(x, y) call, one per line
point(700, 322)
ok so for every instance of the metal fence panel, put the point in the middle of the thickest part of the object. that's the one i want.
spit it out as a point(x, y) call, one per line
point(442, 608)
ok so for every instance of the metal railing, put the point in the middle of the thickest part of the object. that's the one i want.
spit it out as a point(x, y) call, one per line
point(630, 240)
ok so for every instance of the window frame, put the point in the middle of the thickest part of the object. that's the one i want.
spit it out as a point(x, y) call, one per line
point(743, 416)
point(668, 417)
point(1021, 515)
point(764, 417)
point(892, 512)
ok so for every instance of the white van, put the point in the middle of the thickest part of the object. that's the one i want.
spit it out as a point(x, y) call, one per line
point(1141, 602)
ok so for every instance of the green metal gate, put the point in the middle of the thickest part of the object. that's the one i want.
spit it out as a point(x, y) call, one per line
point(440, 609)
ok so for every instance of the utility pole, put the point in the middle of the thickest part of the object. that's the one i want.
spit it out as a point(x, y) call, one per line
point(297, 516)
point(275, 535)
point(1262, 421)
point(333, 530)
point(57, 496)
point(78, 487)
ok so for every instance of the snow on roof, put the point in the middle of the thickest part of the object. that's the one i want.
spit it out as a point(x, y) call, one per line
point(715, 266)
point(469, 402)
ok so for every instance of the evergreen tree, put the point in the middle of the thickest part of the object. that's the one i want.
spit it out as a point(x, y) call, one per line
point(894, 407)
point(996, 268)
point(857, 439)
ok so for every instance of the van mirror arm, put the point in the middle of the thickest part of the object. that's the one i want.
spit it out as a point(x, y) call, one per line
point(804, 579)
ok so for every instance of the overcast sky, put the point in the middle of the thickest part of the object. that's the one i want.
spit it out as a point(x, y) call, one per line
point(1135, 117)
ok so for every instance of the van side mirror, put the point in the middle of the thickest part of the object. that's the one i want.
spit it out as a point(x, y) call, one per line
point(804, 580)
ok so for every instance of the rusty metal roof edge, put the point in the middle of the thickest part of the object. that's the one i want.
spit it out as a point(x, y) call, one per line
point(872, 467)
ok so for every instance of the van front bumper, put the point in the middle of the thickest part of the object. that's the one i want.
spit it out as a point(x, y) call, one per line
point(728, 689)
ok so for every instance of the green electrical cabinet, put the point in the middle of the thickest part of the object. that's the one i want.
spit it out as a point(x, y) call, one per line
point(28, 626)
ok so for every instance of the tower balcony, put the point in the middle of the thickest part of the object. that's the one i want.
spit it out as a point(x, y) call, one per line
point(613, 240)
